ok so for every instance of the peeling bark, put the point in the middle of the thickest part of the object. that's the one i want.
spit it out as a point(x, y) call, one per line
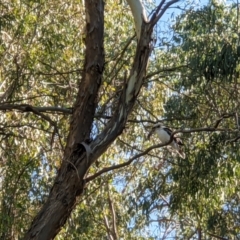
point(128, 96)
point(139, 15)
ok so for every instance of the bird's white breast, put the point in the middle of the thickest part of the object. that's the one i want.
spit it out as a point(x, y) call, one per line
point(163, 135)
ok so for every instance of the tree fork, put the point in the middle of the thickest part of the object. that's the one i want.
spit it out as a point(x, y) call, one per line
point(79, 155)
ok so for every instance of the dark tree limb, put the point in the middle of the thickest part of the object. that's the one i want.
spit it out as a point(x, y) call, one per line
point(69, 182)
point(29, 108)
point(161, 9)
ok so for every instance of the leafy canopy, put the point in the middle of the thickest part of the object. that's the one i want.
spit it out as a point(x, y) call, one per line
point(192, 83)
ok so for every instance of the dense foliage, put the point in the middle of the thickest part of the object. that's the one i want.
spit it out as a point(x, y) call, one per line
point(192, 84)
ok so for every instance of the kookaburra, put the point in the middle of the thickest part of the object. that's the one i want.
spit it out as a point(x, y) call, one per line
point(164, 134)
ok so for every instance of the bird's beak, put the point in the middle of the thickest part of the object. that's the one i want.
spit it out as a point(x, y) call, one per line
point(150, 133)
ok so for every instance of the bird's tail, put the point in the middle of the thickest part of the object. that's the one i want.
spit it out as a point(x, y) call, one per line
point(181, 153)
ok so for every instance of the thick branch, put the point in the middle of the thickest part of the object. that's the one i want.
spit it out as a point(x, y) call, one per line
point(172, 69)
point(107, 169)
point(29, 108)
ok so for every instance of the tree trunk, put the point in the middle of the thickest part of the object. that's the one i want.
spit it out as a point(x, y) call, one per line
point(69, 182)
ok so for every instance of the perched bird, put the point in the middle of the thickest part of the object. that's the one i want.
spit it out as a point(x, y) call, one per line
point(164, 134)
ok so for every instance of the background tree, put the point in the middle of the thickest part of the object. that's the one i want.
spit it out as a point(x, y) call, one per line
point(197, 190)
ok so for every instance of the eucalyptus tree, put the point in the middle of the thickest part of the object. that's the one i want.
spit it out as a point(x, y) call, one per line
point(77, 102)
point(40, 43)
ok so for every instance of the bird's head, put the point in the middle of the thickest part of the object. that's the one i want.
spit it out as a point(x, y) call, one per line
point(154, 128)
